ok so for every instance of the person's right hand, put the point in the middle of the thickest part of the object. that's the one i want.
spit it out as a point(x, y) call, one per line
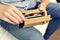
point(11, 14)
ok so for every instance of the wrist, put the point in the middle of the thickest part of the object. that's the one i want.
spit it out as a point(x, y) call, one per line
point(42, 6)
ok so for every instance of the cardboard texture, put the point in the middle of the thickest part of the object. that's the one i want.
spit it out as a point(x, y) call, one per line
point(35, 17)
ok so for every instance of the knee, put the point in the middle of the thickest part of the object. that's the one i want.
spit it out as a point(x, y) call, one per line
point(54, 11)
point(30, 34)
point(36, 36)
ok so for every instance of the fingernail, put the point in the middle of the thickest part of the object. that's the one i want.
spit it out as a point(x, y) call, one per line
point(21, 25)
point(21, 21)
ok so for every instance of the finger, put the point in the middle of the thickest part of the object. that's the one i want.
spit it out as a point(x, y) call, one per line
point(11, 18)
point(45, 12)
point(15, 15)
point(7, 20)
point(18, 13)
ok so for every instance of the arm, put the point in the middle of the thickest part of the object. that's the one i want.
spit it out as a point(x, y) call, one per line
point(44, 3)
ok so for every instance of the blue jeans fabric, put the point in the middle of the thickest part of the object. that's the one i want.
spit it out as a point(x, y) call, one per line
point(52, 27)
point(54, 10)
point(29, 33)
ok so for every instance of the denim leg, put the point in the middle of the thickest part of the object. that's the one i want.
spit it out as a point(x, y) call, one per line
point(5, 35)
point(54, 10)
point(29, 33)
point(52, 27)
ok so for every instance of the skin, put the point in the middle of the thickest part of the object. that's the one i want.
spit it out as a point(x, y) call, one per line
point(43, 5)
point(11, 14)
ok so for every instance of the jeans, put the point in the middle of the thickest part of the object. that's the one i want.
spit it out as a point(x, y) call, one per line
point(29, 33)
point(54, 10)
point(52, 27)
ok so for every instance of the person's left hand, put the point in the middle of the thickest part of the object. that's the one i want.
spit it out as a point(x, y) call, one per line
point(41, 7)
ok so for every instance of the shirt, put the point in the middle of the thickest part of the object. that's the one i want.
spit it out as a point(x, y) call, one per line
point(23, 4)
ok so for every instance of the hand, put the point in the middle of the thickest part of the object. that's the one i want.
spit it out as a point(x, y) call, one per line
point(41, 7)
point(11, 14)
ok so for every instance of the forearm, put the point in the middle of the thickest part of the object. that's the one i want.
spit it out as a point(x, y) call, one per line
point(44, 3)
point(1, 8)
